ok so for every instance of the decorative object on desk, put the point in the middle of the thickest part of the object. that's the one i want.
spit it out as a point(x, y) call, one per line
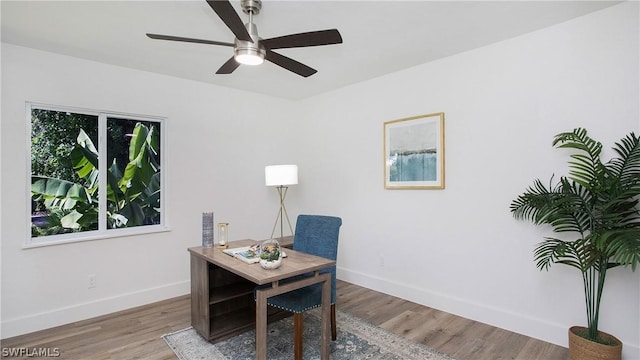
point(223, 235)
point(414, 152)
point(597, 205)
point(270, 254)
point(281, 176)
point(357, 339)
point(248, 254)
point(207, 229)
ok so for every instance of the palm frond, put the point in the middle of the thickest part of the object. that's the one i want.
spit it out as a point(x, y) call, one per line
point(622, 246)
point(625, 169)
point(554, 250)
point(562, 206)
point(586, 167)
point(528, 205)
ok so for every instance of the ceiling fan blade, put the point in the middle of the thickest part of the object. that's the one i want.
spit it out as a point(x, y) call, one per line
point(189, 40)
point(312, 38)
point(228, 67)
point(290, 64)
point(230, 17)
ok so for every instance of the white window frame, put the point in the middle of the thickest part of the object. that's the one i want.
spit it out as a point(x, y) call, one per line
point(102, 232)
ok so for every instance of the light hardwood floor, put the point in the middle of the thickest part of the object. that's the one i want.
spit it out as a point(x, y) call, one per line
point(135, 333)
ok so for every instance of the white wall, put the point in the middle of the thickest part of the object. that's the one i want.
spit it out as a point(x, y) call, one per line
point(456, 249)
point(218, 142)
point(459, 249)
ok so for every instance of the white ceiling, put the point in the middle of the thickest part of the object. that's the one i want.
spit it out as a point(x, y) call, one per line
point(380, 37)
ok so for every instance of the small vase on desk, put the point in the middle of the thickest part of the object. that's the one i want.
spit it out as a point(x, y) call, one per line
point(207, 229)
point(270, 254)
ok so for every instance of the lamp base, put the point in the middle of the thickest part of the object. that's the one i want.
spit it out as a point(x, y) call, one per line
point(282, 192)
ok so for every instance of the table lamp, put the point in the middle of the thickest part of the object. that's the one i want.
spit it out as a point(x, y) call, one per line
point(281, 176)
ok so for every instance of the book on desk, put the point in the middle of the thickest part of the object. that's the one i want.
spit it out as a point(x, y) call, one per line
point(248, 254)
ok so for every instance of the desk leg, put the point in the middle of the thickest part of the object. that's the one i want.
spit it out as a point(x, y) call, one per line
point(261, 325)
point(326, 317)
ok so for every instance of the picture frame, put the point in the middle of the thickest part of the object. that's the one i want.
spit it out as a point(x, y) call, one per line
point(414, 152)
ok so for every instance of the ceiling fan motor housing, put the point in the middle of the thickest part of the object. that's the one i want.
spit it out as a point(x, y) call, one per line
point(255, 48)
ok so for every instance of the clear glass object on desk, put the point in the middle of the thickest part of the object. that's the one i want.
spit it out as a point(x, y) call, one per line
point(223, 234)
point(270, 254)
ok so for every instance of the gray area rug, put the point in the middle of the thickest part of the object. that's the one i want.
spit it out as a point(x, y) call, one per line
point(356, 340)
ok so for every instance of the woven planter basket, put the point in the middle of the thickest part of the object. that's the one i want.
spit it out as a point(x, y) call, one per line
point(583, 349)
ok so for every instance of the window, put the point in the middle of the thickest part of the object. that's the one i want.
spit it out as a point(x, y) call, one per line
point(93, 174)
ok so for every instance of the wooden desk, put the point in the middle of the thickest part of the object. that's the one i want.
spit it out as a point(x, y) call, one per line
point(222, 303)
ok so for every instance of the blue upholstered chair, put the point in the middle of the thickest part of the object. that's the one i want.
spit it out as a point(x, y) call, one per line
point(316, 235)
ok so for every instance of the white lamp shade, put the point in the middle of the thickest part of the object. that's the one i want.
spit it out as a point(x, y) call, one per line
point(280, 175)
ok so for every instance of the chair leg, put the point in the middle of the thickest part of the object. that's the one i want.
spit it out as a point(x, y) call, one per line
point(334, 334)
point(297, 338)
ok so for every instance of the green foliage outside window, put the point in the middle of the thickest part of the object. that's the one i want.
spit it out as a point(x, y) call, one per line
point(53, 136)
point(65, 174)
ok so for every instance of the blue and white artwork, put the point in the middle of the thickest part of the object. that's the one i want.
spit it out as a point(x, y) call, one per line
point(414, 153)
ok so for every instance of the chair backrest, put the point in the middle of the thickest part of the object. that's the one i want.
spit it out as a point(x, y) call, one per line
point(318, 235)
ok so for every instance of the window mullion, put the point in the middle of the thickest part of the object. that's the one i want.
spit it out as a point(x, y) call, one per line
point(102, 171)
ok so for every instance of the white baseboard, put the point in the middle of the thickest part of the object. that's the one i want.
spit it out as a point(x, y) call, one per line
point(87, 310)
point(536, 328)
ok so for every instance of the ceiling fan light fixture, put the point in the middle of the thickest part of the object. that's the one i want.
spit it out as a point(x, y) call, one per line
point(248, 56)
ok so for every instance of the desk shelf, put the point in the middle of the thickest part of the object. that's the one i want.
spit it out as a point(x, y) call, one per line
point(229, 292)
point(222, 303)
point(232, 323)
point(239, 321)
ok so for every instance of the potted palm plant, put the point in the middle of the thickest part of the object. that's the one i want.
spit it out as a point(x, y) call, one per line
point(595, 208)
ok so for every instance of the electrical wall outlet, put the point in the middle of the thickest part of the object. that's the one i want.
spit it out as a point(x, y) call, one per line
point(92, 281)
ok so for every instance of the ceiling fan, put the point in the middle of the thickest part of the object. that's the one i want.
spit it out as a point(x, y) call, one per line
point(249, 48)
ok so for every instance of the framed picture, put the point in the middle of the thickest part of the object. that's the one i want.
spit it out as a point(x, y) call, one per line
point(414, 152)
